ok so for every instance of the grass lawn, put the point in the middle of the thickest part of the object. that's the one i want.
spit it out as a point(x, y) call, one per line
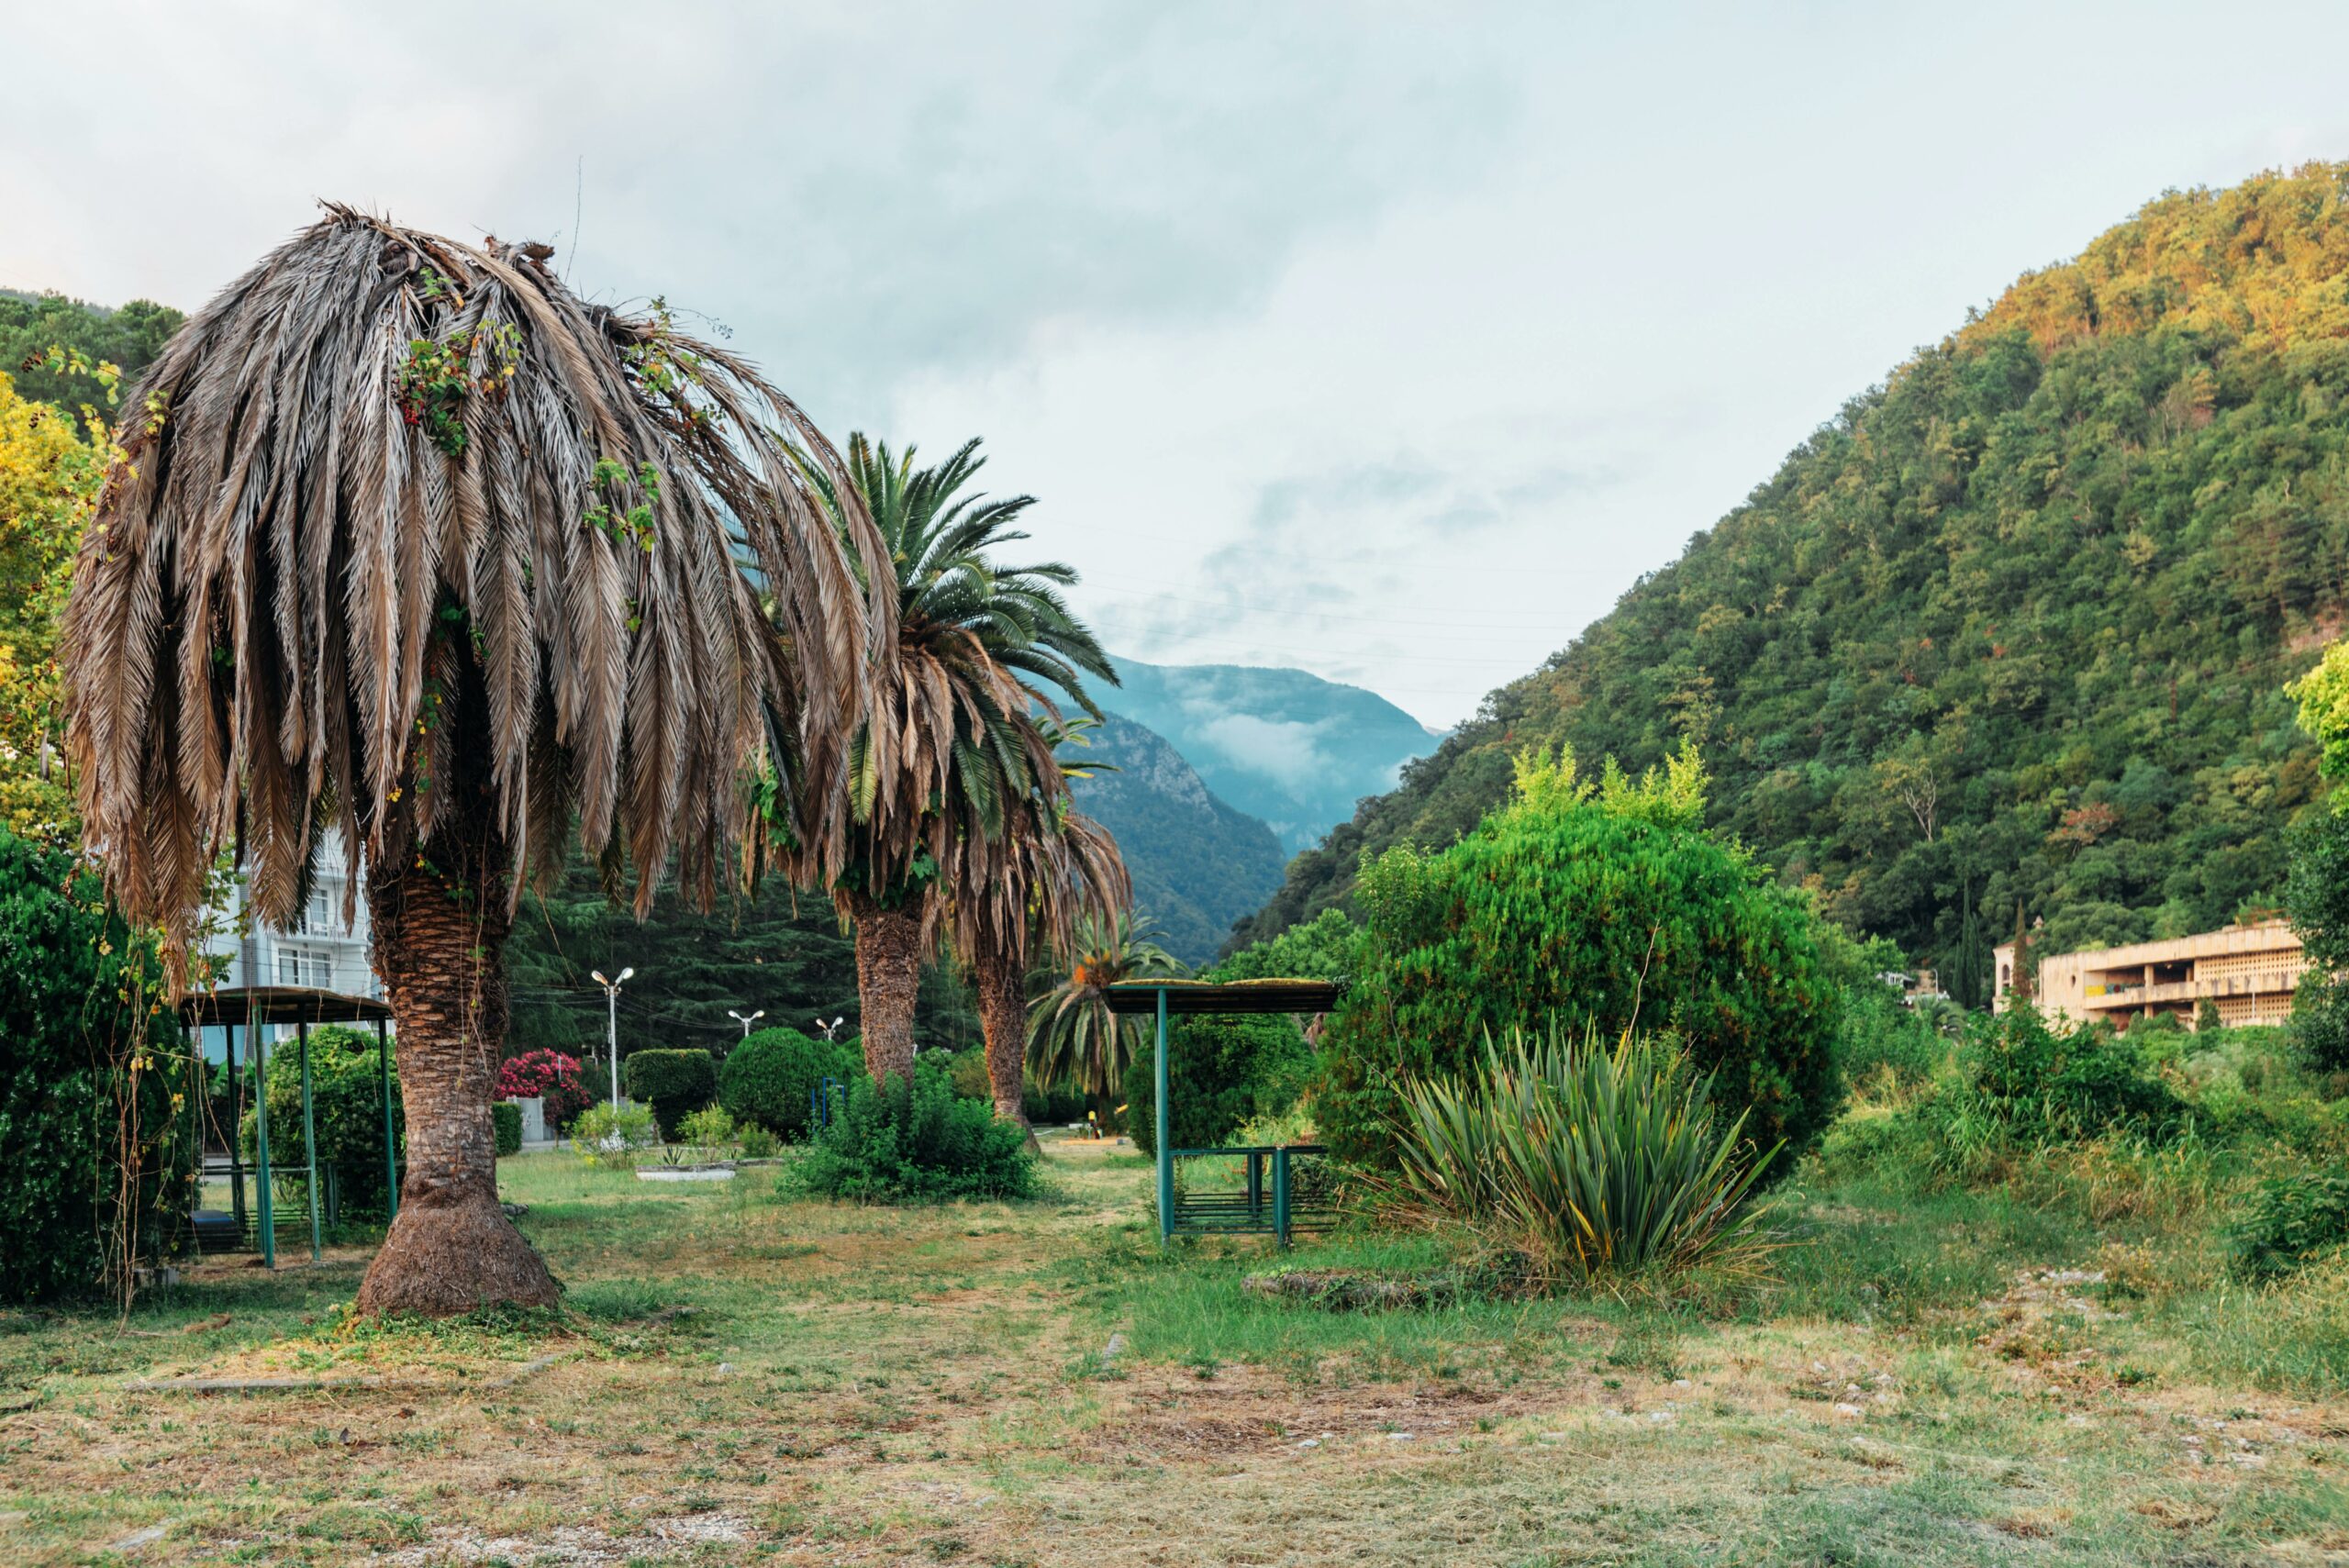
point(1968, 1380)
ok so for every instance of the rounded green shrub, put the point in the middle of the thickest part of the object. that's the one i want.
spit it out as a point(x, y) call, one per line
point(1221, 1071)
point(675, 1084)
point(1590, 906)
point(768, 1080)
point(77, 1055)
point(347, 1105)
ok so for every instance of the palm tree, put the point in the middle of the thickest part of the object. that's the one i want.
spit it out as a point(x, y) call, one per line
point(1027, 888)
point(1073, 1038)
point(957, 755)
point(415, 544)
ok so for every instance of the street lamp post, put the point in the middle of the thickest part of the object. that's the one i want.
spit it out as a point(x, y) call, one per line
point(612, 1028)
point(746, 1022)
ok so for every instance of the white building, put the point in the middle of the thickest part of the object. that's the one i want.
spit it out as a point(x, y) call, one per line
point(320, 950)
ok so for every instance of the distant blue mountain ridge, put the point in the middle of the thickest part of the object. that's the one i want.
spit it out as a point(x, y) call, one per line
point(1279, 744)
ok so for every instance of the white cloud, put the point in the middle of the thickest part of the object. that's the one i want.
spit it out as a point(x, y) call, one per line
point(1392, 341)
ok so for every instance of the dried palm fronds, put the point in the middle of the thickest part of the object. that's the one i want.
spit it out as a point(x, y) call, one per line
point(380, 446)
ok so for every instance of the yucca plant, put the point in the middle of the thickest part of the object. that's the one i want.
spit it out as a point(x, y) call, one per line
point(1598, 1161)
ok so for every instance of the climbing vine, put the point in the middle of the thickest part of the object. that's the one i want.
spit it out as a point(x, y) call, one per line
point(440, 374)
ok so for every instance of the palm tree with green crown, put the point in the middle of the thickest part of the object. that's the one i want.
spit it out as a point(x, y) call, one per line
point(958, 753)
point(410, 542)
point(1072, 1037)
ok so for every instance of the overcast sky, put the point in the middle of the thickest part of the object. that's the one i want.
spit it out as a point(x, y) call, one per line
point(1391, 343)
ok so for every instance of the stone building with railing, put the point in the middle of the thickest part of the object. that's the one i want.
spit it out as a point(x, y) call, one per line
point(2249, 973)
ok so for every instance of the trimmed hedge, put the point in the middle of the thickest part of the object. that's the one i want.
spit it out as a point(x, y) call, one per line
point(505, 1124)
point(675, 1084)
point(767, 1080)
point(65, 959)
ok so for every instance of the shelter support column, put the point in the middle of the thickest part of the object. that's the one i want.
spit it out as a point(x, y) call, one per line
point(309, 1135)
point(1165, 1153)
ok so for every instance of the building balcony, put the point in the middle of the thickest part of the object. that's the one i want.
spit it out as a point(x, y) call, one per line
point(2258, 982)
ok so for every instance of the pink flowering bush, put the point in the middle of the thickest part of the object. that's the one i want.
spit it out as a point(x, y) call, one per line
point(548, 1074)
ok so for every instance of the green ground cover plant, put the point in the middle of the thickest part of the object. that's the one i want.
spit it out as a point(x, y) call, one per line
point(743, 1374)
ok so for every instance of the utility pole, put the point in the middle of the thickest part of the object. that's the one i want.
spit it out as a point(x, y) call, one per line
point(612, 1028)
point(746, 1022)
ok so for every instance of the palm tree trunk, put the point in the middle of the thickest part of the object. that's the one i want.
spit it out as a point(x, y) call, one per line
point(888, 980)
point(1001, 981)
point(440, 935)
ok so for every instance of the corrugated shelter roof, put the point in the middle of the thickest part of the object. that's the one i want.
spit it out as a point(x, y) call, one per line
point(281, 1005)
point(1272, 996)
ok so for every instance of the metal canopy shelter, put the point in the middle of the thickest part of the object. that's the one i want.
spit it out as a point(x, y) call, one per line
point(1234, 1213)
point(300, 1005)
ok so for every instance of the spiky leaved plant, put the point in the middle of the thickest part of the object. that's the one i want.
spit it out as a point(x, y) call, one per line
point(414, 543)
point(1598, 1161)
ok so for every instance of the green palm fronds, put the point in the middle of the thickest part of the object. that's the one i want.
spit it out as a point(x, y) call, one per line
point(1073, 1038)
point(1601, 1161)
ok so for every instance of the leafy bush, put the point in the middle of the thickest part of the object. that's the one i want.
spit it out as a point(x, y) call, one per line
point(346, 1103)
point(2016, 1086)
point(76, 987)
point(757, 1143)
point(547, 1075)
point(1057, 1106)
point(1221, 1071)
point(675, 1084)
point(2289, 1220)
point(1881, 1042)
point(505, 1126)
point(709, 1132)
point(768, 1078)
point(1600, 906)
point(1325, 948)
point(613, 1139)
point(916, 1140)
point(1595, 1161)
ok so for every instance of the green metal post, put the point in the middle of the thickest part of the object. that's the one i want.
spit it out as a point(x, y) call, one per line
point(1280, 1196)
point(268, 1220)
point(309, 1133)
point(235, 1130)
point(391, 1148)
point(1165, 1154)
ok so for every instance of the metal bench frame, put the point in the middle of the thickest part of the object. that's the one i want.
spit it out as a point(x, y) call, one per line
point(1244, 1213)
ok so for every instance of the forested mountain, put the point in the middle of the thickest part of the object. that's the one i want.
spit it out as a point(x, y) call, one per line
point(1197, 863)
point(1282, 745)
point(2010, 632)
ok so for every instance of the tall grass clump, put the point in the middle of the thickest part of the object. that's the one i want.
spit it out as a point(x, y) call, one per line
point(1597, 1161)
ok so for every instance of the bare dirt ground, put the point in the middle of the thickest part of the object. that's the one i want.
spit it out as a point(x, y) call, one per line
point(740, 1378)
